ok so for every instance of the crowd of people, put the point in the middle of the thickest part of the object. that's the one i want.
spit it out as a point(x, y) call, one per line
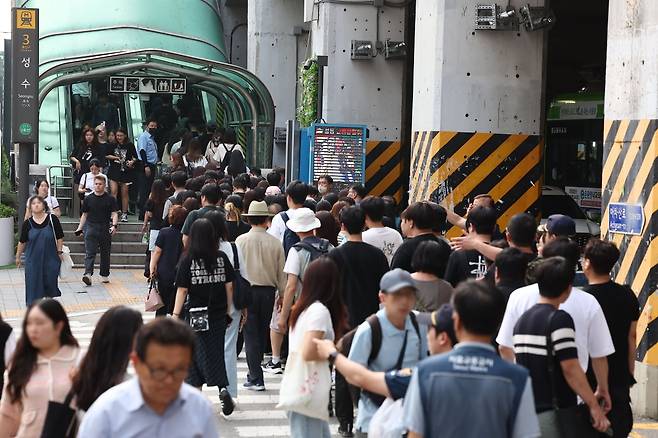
point(325, 277)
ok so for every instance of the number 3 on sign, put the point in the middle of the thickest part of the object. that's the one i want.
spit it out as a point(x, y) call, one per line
point(26, 40)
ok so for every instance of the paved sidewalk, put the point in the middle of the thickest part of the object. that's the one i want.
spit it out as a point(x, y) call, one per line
point(125, 287)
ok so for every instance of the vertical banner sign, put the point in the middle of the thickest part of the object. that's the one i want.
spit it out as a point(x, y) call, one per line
point(25, 75)
point(339, 151)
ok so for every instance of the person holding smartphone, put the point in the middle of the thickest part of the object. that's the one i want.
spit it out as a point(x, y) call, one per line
point(99, 214)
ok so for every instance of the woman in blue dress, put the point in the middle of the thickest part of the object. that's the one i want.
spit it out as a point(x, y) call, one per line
point(41, 239)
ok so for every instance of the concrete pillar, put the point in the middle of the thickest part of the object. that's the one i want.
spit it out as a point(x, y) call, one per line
point(477, 110)
point(630, 172)
point(234, 21)
point(273, 54)
point(365, 91)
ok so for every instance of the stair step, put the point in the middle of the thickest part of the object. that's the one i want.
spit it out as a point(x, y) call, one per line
point(69, 225)
point(120, 236)
point(129, 259)
point(118, 247)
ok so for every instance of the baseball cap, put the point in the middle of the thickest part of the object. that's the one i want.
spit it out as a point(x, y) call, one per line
point(395, 280)
point(561, 225)
point(441, 320)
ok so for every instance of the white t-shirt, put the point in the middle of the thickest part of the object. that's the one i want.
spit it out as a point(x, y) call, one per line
point(385, 238)
point(52, 202)
point(200, 162)
point(221, 151)
point(87, 181)
point(592, 333)
point(278, 227)
point(315, 318)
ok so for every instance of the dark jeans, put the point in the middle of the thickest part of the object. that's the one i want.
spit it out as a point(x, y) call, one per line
point(97, 236)
point(343, 404)
point(144, 184)
point(257, 329)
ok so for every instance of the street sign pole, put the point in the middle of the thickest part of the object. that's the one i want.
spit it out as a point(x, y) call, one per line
point(24, 94)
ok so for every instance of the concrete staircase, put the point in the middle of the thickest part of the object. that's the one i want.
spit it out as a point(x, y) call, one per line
point(128, 251)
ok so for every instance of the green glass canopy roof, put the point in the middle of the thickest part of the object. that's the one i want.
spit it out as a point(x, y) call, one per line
point(81, 40)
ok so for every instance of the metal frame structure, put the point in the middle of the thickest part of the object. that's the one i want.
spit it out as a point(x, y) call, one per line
point(228, 83)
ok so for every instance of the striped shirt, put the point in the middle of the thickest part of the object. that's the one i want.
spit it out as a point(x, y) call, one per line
point(531, 350)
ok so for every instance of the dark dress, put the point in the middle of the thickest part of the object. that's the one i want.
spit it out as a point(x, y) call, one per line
point(119, 172)
point(207, 288)
point(41, 260)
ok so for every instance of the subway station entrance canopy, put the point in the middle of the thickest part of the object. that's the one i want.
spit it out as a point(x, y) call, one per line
point(81, 40)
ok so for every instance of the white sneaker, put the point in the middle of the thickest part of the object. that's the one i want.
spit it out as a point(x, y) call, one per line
point(124, 217)
point(105, 279)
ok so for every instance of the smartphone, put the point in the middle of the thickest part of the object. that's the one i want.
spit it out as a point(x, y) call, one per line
point(78, 233)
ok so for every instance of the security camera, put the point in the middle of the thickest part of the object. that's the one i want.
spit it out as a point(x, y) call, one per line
point(308, 64)
point(536, 18)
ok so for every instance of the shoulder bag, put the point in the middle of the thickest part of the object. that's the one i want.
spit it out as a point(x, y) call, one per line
point(242, 294)
point(305, 387)
point(66, 266)
point(61, 419)
point(571, 422)
point(153, 300)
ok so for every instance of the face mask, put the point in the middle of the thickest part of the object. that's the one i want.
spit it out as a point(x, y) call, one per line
point(322, 189)
point(151, 130)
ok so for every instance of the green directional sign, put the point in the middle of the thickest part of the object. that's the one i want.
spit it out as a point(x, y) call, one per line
point(25, 129)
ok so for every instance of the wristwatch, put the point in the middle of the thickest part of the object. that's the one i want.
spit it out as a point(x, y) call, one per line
point(332, 357)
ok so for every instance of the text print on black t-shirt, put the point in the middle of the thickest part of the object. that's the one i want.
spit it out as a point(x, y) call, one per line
point(199, 274)
point(478, 268)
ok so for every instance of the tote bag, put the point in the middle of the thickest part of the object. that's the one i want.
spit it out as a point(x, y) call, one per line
point(305, 387)
point(66, 266)
point(388, 420)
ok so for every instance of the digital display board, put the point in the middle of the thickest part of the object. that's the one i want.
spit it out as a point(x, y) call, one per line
point(339, 151)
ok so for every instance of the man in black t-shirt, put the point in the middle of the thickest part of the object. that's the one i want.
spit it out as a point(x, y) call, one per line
point(362, 267)
point(509, 270)
point(545, 343)
point(99, 223)
point(622, 310)
point(469, 263)
point(418, 223)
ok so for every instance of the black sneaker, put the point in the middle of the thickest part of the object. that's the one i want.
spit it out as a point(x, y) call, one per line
point(345, 430)
point(272, 368)
point(86, 279)
point(226, 401)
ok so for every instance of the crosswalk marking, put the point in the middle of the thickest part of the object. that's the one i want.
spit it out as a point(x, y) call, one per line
point(255, 414)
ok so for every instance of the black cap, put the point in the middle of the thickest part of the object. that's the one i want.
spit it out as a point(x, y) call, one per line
point(441, 320)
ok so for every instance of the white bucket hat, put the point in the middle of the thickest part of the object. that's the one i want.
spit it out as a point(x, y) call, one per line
point(304, 221)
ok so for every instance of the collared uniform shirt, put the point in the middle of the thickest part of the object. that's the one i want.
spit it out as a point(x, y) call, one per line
point(392, 340)
point(121, 413)
point(263, 259)
point(146, 142)
point(592, 334)
point(50, 381)
point(470, 392)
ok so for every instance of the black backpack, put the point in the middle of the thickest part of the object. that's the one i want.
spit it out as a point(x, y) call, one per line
point(237, 164)
point(290, 238)
point(316, 251)
point(227, 157)
point(345, 345)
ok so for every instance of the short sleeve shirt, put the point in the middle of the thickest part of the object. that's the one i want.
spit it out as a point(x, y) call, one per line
point(99, 209)
point(30, 223)
point(206, 287)
point(531, 350)
point(315, 318)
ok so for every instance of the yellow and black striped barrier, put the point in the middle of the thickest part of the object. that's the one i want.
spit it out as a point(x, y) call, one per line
point(457, 166)
point(629, 176)
point(384, 169)
point(220, 115)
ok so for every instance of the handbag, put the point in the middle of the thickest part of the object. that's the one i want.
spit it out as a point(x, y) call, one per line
point(571, 422)
point(153, 300)
point(305, 387)
point(242, 293)
point(61, 419)
point(199, 319)
point(66, 267)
